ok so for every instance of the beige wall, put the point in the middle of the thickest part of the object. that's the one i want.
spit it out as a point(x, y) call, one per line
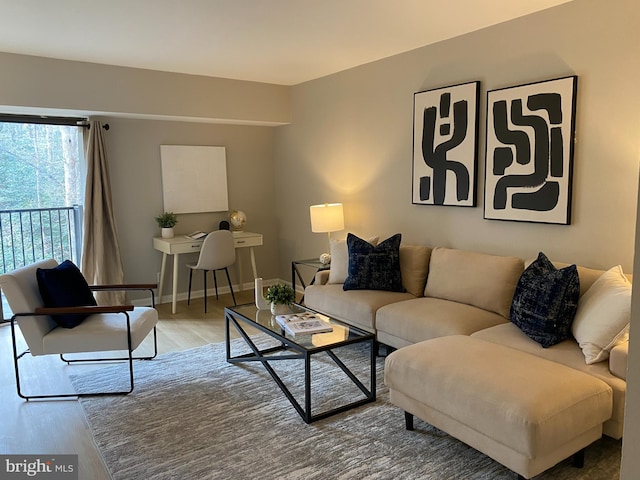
point(351, 138)
point(42, 83)
point(213, 111)
point(350, 141)
point(133, 149)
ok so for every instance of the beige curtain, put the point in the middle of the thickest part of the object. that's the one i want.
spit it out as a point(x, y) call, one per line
point(101, 262)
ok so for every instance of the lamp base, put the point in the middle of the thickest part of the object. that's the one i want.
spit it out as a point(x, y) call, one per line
point(325, 259)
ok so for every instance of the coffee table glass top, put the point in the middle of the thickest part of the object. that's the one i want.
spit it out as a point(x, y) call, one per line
point(341, 331)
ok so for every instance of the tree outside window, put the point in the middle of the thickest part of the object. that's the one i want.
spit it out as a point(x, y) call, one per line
point(42, 174)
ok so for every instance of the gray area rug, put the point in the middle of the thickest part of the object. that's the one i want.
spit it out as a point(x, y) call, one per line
point(192, 415)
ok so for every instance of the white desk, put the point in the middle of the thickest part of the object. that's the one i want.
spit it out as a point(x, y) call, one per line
point(179, 244)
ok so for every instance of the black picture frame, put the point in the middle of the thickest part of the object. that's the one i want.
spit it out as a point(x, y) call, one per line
point(445, 145)
point(529, 151)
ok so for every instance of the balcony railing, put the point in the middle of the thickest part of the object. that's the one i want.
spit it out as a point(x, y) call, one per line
point(27, 236)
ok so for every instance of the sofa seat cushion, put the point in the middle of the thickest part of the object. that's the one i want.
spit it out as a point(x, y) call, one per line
point(423, 318)
point(496, 398)
point(355, 307)
point(478, 279)
point(568, 353)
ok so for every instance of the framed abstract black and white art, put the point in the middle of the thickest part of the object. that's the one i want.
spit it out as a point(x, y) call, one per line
point(529, 157)
point(445, 145)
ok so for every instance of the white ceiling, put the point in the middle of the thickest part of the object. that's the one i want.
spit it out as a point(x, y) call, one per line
point(275, 41)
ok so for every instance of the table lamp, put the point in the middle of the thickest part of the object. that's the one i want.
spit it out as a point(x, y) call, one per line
point(327, 217)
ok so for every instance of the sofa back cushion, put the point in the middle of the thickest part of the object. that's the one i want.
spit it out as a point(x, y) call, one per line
point(414, 266)
point(587, 275)
point(478, 279)
point(339, 268)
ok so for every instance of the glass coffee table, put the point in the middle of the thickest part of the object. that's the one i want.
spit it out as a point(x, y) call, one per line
point(247, 318)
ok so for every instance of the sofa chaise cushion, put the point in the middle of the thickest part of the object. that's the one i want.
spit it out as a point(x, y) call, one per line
point(525, 412)
point(566, 353)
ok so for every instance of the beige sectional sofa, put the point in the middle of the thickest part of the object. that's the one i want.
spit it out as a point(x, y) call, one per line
point(463, 294)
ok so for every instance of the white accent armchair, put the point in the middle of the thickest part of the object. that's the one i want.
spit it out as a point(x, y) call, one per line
point(106, 328)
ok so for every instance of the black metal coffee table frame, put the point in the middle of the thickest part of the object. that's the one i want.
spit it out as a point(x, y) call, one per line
point(302, 353)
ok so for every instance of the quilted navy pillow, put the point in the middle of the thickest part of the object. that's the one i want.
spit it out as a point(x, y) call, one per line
point(374, 267)
point(545, 301)
point(65, 286)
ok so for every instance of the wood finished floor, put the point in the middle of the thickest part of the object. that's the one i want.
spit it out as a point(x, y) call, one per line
point(59, 427)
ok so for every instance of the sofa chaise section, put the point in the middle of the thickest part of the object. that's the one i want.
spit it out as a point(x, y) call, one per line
point(526, 412)
point(568, 353)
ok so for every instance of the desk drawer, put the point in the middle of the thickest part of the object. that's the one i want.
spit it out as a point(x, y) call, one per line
point(253, 241)
point(176, 245)
point(186, 247)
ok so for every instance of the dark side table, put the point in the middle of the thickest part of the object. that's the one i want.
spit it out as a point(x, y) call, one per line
point(312, 263)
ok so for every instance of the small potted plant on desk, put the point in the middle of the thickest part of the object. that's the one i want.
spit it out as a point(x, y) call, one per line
point(281, 296)
point(166, 221)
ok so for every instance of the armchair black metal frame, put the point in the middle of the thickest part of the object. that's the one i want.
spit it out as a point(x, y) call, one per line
point(120, 309)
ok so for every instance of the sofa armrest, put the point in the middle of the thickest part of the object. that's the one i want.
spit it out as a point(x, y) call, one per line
point(322, 277)
point(618, 360)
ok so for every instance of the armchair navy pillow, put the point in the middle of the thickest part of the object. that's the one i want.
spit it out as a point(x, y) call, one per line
point(65, 286)
point(545, 301)
point(374, 267)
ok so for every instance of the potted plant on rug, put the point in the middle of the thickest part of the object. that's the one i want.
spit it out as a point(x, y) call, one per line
point(281, 296)
point(166, 221)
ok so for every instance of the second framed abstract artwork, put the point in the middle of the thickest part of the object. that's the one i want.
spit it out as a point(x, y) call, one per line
point(445, 145)
point(529, 156)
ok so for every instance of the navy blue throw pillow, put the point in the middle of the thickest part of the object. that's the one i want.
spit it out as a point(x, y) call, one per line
point(374, 268)
point(65, 286)
point(545, 301)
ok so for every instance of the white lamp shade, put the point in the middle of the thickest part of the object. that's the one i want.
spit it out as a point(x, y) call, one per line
point(328, 217)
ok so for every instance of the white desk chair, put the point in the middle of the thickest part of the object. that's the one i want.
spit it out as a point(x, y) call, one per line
point(217, 253)
point(106, 328)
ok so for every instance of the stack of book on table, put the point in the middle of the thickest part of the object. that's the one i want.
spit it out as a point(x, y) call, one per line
point(304, 323)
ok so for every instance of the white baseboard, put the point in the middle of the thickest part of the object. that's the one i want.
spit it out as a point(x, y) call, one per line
point(167, 298)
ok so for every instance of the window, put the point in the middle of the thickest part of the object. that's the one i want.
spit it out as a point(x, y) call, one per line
point(42, 173)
